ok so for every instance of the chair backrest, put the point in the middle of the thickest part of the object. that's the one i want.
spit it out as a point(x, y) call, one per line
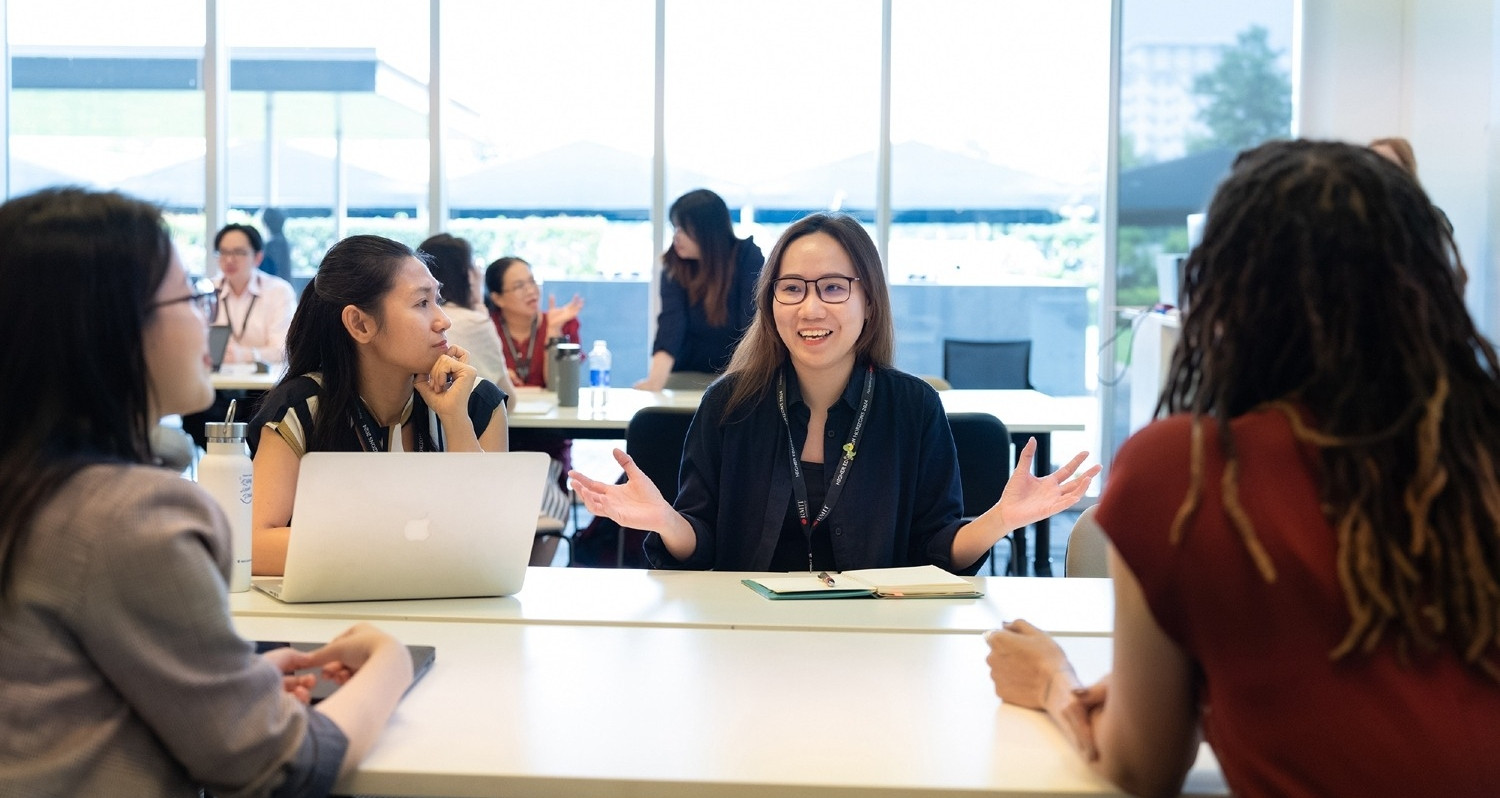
point(987, 364)
point(1088, 552)
point(654, 440)
point(983, 445)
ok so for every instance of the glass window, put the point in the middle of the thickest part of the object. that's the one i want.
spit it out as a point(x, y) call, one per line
point(328, 120)
point(1197, 84)
point(549, 135)
point(999, 131)
point(775, 106)
point(104, 95)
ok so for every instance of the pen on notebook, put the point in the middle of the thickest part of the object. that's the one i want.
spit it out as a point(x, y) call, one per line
point(825, 578)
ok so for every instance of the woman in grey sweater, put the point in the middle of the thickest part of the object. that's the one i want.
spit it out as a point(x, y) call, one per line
point(122, 673)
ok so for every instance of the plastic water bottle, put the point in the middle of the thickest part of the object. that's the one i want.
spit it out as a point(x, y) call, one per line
point(225, 471)
point(599, 362)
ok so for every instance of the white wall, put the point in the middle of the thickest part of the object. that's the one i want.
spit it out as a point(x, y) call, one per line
point(1429, 71)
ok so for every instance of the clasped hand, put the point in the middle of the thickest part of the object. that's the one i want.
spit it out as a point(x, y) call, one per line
point(1030, 670)
point(339, 659)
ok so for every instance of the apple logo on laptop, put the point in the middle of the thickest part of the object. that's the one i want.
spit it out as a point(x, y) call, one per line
point(418, 529)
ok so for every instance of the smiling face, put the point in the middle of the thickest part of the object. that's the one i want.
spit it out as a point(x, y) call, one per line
point(820, 336)
point(175, 340)
point(411, 331)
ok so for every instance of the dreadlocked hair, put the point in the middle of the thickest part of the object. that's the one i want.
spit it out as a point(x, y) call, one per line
point(1328, 287)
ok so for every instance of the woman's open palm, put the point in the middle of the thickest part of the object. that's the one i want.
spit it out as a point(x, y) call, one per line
point(1028, 498)
point(636, 504)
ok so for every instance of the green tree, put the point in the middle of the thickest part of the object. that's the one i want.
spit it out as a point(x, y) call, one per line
point(1247, 97)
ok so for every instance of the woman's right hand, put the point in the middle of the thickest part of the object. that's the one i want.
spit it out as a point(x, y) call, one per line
point(558, 317)
point(636, 504)
point(344, 655)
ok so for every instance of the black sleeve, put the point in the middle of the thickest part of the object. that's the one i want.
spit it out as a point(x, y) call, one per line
point(483, 401)
point(671, 322)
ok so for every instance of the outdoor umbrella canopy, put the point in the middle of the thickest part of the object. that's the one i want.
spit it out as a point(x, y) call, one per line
point(1163, 194)
point(304, 180)
point(582, 175)
point(922, 177)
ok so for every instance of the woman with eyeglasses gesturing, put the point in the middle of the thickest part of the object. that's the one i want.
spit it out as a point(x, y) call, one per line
point(526, 332)
point(813, 452)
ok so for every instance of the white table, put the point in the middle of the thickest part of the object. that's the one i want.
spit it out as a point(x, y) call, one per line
point(240, 381)
point(539, 410)
point(542, 709)
point(716, 600)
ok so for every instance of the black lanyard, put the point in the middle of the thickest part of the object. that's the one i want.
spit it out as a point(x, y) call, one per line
point(523, 366)
point(369, 440)
point(229, 317)
point(799, 485)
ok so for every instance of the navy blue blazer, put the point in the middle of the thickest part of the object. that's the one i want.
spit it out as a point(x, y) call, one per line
point(901, 504)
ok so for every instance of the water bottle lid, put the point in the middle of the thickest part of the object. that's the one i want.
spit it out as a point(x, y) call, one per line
point(221, 431)
point(599, 344)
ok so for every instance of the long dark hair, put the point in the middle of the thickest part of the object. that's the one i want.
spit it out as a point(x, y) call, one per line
point(703, 215)
point(358, 271)
point(451, 261)
point(74, 362)
point(1328, 286)
point(762, 351)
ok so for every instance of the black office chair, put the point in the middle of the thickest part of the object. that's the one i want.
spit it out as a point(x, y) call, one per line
point(654, 440)
point(983, 445)
point(987, 364)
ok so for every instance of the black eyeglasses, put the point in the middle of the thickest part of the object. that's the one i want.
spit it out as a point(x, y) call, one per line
point(834, 290)
point(204, 297)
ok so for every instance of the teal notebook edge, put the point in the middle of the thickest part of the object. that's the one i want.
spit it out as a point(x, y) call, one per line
point(807, 594)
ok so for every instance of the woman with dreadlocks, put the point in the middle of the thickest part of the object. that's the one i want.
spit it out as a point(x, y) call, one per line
point(1305, 550)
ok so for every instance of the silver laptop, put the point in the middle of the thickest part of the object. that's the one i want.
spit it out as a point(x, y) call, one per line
point(413, 525)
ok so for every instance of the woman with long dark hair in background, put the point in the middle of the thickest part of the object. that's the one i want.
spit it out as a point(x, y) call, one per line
point(707, 294)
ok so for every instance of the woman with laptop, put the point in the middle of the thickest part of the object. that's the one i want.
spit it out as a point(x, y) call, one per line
point(370, 368)
point(813, 452)
point(1306, 552)
point(122, 672)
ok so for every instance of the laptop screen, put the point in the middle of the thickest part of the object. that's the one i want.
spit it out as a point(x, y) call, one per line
point(218, 342)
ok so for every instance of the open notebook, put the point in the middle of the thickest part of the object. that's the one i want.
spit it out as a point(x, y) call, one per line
point(917, 581)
